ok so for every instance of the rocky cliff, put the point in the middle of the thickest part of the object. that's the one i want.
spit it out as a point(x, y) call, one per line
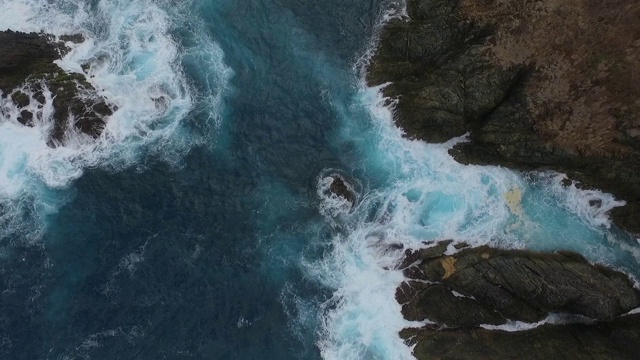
point(537, 84)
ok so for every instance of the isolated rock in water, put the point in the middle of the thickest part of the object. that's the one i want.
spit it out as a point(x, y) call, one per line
point(27, 60)
point(512, 284)
point(340, 187)
point(615, 340)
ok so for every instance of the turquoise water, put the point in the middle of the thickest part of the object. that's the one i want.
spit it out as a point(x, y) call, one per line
point(197, 225)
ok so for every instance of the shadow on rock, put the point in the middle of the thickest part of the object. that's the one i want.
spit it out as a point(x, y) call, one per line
point(486, 286)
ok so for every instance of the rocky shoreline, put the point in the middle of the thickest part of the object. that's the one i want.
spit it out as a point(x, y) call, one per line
point(614, 340)
point(467, 296)
point(537, 85)
point(540, 85)
point(484, 285)
point(31, 80)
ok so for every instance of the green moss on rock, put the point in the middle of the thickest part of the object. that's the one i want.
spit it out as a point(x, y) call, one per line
point(28, 60)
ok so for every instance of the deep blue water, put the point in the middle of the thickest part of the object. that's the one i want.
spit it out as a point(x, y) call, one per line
point(210, 240)
point(160, 260)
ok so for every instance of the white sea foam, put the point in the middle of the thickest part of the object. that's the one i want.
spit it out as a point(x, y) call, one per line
point(391, 10)
point(362, 319)
point(552, 319)
point(332, 206)
point(134, 63)
point(592, 206)
point(426, 196)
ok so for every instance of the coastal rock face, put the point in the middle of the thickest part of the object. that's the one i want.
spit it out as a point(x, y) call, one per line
point(27, 68)
point(538, 85)
point(486, 286)
point(615, 340)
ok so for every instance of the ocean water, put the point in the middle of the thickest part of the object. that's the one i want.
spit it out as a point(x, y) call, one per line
point(197, 225)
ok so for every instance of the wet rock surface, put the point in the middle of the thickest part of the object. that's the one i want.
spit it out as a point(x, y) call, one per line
point(516, 285)
point(486, 286)
point(341, 188)
point(614, 340)
point(538, 85)
point(27, 66)
point(438, 303)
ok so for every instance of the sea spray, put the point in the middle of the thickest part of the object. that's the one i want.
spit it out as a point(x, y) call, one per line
point(426, 196)
point(130, 57)
point(591, 205)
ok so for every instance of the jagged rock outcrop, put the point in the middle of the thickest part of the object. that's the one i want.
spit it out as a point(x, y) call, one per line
point(339, 187)
point(27, 66)
point(614, 340)
point(538, 85)
point(487, 286)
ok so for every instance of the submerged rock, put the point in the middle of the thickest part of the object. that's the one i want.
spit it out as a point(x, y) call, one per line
point(489, 69)
point(27, 66)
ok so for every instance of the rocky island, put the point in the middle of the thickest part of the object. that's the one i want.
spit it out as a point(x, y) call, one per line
point(537, 85)
point(30, 80)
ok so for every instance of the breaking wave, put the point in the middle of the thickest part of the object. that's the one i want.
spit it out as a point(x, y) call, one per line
point(133, 61)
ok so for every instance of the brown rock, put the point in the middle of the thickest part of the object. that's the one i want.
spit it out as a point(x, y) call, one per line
point(488, 68)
